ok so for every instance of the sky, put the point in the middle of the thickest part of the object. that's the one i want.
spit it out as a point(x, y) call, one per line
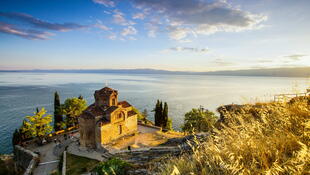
point(178, 35)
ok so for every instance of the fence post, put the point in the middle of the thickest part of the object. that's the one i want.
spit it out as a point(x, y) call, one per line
point(64, 163)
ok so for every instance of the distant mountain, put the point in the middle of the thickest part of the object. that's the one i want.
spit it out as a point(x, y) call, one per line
point(274, 72)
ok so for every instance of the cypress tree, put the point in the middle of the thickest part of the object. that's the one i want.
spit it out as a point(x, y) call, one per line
point(57, 112)
point(16, 137)
point(165, 115)
point(156, 114)
point(161, 116)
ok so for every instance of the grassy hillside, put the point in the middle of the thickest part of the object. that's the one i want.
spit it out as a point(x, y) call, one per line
point(270, 138)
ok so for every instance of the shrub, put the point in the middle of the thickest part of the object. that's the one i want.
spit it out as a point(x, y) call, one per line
point(114, 166)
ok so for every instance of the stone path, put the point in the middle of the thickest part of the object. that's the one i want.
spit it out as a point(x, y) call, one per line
point(49, 156)
point(146, 129)
point(46, 155)
point(74, 148)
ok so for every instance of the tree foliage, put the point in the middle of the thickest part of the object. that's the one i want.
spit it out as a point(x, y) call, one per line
point(58, 119)
point(157, 114)
point(165, 116)
point(16, 139)
point(161, 116)
point(140, 116)
point(73, 108)
point(199, 120)
point(37, 125)
point(145, 113)
point(113, 166)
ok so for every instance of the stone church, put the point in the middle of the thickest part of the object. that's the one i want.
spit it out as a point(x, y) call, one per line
point(106, 119)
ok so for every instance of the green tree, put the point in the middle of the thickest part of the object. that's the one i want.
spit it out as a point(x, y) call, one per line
point(16, 139)
point(57, 113)
point(165, 115)
point(25, 134)
point(161, 115)
point(160, 110)
point(73, 108)
point(38, 125)
point(114, 166)
point(199, 120)
point(169, 124)
point(145, 114)
point(157, 114)
point(140, 116)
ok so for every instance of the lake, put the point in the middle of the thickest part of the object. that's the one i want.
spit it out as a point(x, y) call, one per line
point(22, 93)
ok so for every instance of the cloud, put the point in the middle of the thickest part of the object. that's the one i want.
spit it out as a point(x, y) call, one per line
point(178, 33)
point(221, 62)
point(112, 36)
point(102, 26)
point(107, 3)
point(138, 16)
point(265, 61)
point(119, 18)
point(195, 17)
point(152, 28)
point(22, 17)
point(28, 34)
point(130, 30)
point(295, 57)
point(188, 49)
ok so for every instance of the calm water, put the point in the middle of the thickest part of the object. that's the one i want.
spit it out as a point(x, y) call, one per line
point(21, 93)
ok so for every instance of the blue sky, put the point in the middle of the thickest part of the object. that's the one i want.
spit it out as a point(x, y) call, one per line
point(191, 35)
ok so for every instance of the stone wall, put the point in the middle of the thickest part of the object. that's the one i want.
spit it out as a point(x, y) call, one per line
point(111, 131)
point(87, 132)
point(25, 159)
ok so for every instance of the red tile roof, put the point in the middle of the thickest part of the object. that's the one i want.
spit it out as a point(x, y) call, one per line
point(106, 91)
point(124, 104)
point(131, 113)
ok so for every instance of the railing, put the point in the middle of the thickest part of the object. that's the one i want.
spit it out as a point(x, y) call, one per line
point(286, 97)
point(51, 136)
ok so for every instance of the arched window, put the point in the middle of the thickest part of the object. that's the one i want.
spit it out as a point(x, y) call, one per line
point(113, 101)
point(120, 115)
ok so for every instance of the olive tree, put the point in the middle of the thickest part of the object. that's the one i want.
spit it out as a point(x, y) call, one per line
point(199, 120)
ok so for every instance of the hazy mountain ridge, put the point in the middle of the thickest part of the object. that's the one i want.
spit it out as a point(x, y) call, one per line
point(271, 72)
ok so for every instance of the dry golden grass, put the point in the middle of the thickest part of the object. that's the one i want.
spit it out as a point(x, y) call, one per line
point(266, 138)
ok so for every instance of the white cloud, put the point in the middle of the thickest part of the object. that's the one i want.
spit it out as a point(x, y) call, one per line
point(119, 18)
point(178, 33)
point(221, 62)
point(152, 27)
point(188, 49)
point(138, 16)
point(130, 30)
point(295, 57)
point(112, 36)
point(184, 18)
point(107, 3)
point(102, 26)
